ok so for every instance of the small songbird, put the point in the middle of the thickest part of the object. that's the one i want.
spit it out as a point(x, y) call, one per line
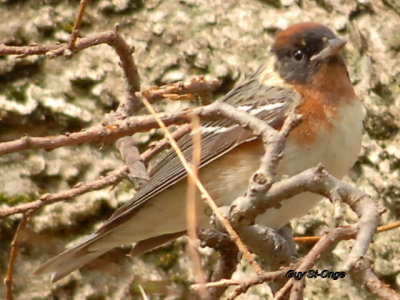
point(304, 71)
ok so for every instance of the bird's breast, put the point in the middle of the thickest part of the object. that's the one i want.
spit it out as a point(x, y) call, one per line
point(335, 146)
point(333, 139)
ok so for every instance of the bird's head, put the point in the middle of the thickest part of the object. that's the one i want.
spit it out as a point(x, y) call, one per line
point(303, 49)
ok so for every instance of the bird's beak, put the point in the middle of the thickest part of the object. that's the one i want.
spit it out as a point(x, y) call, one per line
point(332, 48)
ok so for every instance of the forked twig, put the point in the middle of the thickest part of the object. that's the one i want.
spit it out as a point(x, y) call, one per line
point(77, 25)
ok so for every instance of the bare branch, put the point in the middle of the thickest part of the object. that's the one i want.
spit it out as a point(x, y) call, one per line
point(200, 86)
point(111, 179)
point(274, 143)
point(262, 278)
point(297, 289)
point(315, 238)
point(57, 50)
point(8, 279)
point(317, 180)
point(365, 275)
point(227, 260)
point(79, 189)
point(268, 244)
point(244, 285)
point(99, 133)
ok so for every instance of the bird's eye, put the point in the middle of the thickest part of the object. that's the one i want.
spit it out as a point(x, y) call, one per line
point(298, 55)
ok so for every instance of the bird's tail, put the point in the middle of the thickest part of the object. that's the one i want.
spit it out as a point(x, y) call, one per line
point(94, 246)
point(70, 260)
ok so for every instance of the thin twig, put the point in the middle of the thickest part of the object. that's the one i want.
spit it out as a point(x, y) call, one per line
point(158, 146)
point(315, 238)
point(59, 49)
point(387, 227)
point(99, 133)
point(307, 239)
point(8, 279)
point(199, 86)
point(77, 25)
point(365, 274)
point(262, 278)
point(191, 210)
point(79, 189)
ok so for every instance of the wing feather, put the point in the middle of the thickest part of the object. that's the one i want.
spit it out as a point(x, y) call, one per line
point(270, 103)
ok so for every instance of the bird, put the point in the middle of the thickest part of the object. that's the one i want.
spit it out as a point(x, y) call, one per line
point(304, 71)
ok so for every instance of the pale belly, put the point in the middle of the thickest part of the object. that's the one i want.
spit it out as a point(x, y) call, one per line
point(165, 213)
